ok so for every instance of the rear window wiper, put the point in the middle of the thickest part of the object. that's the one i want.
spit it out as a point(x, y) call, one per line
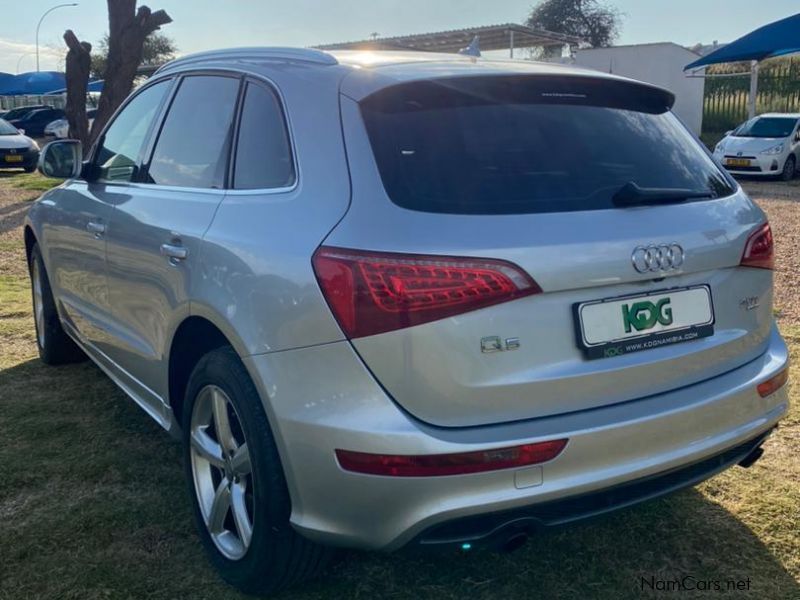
point(631, 194)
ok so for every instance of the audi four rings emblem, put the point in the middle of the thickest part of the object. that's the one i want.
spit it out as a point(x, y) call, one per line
point(655, 258)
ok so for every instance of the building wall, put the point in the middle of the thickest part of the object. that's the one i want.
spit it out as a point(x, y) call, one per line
point(660, 64)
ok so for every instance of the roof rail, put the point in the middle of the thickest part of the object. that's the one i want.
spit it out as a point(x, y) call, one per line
point(308, 55)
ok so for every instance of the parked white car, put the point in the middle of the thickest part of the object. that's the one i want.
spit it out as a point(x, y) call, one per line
point(768, 144)
point(60, 129)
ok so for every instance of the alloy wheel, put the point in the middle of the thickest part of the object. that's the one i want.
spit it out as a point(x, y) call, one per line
point(38, 302)
point(223, 479)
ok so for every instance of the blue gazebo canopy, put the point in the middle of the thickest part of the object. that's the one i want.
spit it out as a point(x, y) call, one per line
point(94, 86)
point(32, 83)
point(776, 39)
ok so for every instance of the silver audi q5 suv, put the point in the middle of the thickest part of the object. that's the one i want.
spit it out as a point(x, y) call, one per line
point(390, 299)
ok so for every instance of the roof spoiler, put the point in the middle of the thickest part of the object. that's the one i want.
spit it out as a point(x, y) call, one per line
point(577, 89)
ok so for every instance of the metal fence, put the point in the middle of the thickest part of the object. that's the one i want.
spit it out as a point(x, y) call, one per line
point(55, 100)
point(726, 96)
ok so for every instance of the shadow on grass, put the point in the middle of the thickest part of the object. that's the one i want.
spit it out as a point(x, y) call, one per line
point(93, 504)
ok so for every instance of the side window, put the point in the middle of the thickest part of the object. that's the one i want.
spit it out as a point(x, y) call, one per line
point(263, 153)
point(118, 156)
point(192, 148)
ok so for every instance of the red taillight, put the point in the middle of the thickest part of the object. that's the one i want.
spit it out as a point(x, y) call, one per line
point(375, 292)
point(773, 384)
point(432, 465)
point(759, 251)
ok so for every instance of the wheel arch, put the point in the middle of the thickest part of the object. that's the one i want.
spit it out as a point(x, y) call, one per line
point(194, 337)
point(30, 240)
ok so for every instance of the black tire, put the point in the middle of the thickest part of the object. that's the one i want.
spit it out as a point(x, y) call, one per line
point(55, 346)
point(789, 168)
point(277, 556)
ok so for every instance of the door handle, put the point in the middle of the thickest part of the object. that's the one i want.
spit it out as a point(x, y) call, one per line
point(174, 252)
point(98, 229)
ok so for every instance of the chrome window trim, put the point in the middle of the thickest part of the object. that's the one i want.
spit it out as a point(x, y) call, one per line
point(245, 75)
point(177, 188)
point(287, 120)
point(152, 138)
point(263, 191)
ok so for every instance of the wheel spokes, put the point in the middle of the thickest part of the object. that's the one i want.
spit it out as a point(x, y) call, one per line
point(38, 304)
point(240, 463)
point(220, 507)
point(222, 422)
point(207, 448)
point(240, 516)
point(222, 471)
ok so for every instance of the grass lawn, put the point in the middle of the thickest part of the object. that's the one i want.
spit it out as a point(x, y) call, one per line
point(93, 504)
point(18, 180)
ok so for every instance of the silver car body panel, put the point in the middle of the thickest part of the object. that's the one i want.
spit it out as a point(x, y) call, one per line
point(149, 291)
point(607, 446)
point(425, 389)
point(437, 370)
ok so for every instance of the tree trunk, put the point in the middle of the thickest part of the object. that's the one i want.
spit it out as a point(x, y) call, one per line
point(128, 28)
point(77, 67)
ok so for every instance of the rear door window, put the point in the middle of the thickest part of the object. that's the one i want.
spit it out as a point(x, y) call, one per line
point(263, 153)
point(194, 143)
point(505, 145)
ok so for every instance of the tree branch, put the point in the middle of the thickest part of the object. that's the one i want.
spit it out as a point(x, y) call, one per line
point(156, 20)
point(78, 62)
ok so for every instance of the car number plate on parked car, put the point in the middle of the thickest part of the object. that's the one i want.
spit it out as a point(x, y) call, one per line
point(13, 158)
point(738, 162)
point(617, 326)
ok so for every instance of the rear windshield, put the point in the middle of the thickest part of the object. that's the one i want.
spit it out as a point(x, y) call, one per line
point(766, 127)
point(512, 145)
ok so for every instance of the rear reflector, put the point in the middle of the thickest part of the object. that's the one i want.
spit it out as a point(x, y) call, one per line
point(433, 465)
point(759, 251)
point(375, 292)
point(773, 384)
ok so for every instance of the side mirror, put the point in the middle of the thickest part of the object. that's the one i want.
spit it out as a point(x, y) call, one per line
point(61, 159)
point(727, 133)
point(21, 131)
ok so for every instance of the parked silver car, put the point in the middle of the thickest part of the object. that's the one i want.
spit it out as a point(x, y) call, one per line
point(17, 150)
point(405, 298)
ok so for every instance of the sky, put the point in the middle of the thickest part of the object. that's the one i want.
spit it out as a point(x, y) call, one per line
point(207, 24)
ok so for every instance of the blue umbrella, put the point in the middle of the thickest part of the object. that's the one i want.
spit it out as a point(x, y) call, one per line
point(776, 39)
point(5, 77)
point(32, 83)
point(94, 86)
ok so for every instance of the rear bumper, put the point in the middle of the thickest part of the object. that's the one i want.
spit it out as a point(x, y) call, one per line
point(323, 398)
point(494, 529)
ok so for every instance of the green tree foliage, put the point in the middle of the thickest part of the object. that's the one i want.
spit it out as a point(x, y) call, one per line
point(158, 48)
point(593, 20)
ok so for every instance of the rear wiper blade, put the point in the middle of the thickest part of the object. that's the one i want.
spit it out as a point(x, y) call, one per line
point(631, 194)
